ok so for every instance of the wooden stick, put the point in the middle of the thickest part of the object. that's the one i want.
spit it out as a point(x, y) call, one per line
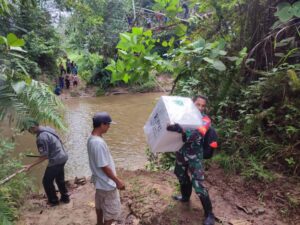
point(25, 168)
point(29, 155)
point(11, 176)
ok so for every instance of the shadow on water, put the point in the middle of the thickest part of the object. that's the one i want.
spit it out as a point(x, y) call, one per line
point(126, 139)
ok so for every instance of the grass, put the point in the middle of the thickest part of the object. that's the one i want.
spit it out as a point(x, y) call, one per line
point(249, 167)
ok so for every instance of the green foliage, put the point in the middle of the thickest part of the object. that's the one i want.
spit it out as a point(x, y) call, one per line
point(12, 192)
point(44, 51)
point(91, 68)
point(148, 86)
point(136, 59)
point(188, 86)
point(199, 56)
point(21, 97)
point(171, 7)
point(95, 25)
point(229, 163)
point(33, 24)
point(257, 124)
point(156, 162)
point(88, 63)
point(100, 92)
point(256, 170)
point(286, 11)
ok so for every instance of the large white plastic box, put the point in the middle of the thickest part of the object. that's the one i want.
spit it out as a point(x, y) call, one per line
point(170, 110)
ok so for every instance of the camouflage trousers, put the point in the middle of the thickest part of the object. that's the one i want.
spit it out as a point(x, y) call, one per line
point(188, 162)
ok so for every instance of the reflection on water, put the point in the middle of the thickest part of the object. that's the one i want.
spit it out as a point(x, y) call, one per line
point(126, 139)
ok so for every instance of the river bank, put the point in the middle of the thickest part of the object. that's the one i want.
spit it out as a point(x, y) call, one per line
point(147, 200)
point(162, 84)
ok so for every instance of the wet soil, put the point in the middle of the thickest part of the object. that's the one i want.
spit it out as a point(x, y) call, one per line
point(147, 200)
point(163, 85)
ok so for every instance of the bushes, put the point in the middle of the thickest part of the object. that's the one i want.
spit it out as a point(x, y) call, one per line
point(42, 51)
point(164, 161)
point(148, 86)
point(91, 68)
point(13, 192)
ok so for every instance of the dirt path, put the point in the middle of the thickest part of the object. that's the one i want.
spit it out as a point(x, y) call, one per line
point(147, 200)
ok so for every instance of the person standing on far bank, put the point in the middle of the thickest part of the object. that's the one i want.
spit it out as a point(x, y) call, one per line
point(50, 147)
point(107, 198)
point(189, 159)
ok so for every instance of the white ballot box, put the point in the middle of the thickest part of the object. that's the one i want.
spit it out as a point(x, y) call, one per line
point(170, 110)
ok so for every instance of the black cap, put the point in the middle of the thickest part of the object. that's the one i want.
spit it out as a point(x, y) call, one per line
point(102, 117)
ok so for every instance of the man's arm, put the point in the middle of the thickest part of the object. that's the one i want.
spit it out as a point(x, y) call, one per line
point(188, 136)
point(120, 184)
point(39, 160)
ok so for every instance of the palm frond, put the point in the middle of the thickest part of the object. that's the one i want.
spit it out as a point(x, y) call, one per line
point(35, 101)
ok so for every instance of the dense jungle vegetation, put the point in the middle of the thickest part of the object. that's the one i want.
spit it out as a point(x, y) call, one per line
point(243, 55)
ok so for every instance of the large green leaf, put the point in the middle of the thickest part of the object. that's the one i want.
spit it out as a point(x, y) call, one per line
point(139, 48)
point(120, 66)
point(284, 11)
point(148, 33)
point(125, 36)
point(13, 41)
point(219, 65)
point(137, 30)
point(200, 43)
point(296, 9)
point(3, 40)
point(180, 30)
point(164, 44)
point(209, 60)
point(126, 77)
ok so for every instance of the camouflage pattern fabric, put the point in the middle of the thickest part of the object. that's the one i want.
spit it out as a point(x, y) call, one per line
point(189, 159)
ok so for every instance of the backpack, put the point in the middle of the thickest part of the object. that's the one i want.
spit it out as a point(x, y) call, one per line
point(209, 143)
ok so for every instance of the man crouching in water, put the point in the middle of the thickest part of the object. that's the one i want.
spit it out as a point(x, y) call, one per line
point(190, 159)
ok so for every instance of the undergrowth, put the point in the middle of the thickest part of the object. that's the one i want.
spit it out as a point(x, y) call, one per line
point(12, 193)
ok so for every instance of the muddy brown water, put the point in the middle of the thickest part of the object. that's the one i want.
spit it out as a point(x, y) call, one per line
point(126, 139)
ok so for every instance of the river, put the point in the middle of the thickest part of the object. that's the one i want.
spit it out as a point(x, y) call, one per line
point(126, 139)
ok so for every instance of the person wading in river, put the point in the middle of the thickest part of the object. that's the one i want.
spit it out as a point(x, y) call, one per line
point(107, 199)
point(50, 147)
point(190, 159)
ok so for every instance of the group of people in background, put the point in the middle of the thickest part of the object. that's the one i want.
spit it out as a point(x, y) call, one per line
point(68, 76)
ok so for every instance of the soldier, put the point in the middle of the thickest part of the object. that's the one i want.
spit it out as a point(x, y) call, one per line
point(190, 159)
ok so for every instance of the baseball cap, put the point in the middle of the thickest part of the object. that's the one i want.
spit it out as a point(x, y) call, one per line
point(102, 117)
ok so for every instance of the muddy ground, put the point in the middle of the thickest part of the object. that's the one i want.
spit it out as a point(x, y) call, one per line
point(147, 200)
point(163, 84)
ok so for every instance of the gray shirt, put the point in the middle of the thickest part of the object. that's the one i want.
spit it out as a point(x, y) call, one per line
point(49, 144)
point(99, 156)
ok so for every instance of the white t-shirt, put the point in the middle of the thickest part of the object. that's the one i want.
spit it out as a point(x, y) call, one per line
point(99, 156)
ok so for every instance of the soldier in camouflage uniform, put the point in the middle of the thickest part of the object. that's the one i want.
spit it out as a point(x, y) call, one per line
point(190, 159)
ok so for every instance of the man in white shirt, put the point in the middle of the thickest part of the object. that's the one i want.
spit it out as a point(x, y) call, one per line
point(107, 199)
